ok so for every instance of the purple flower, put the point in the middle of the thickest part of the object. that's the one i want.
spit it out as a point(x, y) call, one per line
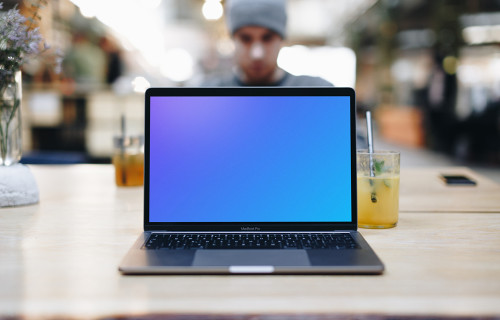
point(18, 42)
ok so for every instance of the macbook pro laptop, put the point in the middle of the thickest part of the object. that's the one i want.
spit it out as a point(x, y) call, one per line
point(250, 180)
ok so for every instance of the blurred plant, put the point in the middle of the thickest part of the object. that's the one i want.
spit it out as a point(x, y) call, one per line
point(20, 40)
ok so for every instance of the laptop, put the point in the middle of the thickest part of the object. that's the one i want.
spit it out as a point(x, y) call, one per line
point(250, 181)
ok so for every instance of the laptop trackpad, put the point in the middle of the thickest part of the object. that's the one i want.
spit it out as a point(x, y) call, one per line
point(250, 257)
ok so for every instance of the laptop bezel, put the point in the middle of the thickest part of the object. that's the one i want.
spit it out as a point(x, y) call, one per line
point(250, 226)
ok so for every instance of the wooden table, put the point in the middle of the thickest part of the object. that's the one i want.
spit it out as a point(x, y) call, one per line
point(422, 190)
point(59, 259)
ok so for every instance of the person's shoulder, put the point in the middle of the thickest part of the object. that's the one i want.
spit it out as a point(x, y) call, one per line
point(218, 81)
point(308, 81)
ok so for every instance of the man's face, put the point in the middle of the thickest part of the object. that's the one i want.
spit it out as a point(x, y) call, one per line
point(256, 54)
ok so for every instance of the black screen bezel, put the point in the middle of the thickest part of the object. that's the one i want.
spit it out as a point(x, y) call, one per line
point(251, 226)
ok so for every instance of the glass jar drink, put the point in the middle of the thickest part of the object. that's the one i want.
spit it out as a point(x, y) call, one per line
point(378, 189)
point(128, 159)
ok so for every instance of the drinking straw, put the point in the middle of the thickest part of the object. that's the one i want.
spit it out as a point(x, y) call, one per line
point(370, 141)
point(370, 151)
point(122, 150)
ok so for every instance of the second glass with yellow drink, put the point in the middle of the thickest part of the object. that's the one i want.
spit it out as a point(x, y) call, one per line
point(128, 161)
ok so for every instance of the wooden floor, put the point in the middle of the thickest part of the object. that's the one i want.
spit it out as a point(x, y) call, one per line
point(270, 317)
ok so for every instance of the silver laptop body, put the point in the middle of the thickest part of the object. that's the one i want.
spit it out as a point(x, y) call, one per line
point(273, 164)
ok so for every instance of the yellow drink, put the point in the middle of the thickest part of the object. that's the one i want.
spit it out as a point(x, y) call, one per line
point(129, 169)
point(378, 201)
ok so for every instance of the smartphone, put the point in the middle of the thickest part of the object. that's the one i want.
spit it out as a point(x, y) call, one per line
point(457, 180)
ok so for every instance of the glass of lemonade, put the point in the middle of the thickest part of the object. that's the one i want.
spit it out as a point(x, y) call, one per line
point(128, 159)
point(378, 189)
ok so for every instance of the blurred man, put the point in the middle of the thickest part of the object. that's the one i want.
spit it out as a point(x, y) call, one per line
point(258, 29)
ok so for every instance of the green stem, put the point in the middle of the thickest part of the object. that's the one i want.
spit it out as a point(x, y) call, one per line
point(34, 16)
point(3, 148)
point(4, 136)
point(3, 141)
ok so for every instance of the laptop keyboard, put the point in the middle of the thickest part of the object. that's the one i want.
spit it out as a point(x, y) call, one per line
point(182, 241)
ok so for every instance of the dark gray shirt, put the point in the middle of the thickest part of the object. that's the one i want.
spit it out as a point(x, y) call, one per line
point(289, 80)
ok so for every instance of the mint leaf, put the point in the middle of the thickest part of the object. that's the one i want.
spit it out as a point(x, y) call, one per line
point(379, 165)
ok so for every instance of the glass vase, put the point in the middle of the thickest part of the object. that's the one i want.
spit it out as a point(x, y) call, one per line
point(10, 120)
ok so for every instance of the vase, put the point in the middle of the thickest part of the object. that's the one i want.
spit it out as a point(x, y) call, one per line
point(17, 184)
point(10, 120)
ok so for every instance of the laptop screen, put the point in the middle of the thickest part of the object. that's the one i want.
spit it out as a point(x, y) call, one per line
point(249, 159)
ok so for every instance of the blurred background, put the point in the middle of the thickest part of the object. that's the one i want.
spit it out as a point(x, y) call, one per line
point(428, 70)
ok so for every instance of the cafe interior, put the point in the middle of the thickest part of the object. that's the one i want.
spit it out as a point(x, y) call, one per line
point(429, 73)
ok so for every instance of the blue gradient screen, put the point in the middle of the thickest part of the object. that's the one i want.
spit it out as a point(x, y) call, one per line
point(250, 159)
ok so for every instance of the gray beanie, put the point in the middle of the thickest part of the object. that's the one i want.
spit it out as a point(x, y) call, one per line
point(269, 14)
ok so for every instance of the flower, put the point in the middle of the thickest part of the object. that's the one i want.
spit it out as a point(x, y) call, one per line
point(20, 40)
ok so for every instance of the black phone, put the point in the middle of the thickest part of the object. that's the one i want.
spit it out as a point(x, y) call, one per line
point(458, 180)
